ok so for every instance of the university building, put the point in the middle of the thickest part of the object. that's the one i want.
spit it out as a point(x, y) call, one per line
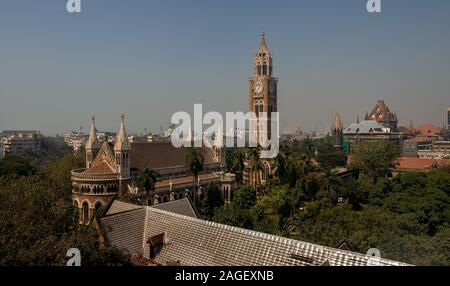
point(110, 169)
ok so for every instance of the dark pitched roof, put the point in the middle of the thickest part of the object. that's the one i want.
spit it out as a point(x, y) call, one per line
point(381, 113)
point(125, 230)
point(162, 155)
point(120, 207)
point(182, 207)
point(192, 241)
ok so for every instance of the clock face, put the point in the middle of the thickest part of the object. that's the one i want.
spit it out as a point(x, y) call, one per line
point(258, 87)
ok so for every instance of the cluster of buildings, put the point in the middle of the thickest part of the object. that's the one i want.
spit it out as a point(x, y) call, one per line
point(422, 148)
point(15, 142)
point(77, 139)
point(166, 229)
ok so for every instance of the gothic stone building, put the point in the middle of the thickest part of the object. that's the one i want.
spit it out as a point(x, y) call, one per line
point(381, 114)
point(110, 168)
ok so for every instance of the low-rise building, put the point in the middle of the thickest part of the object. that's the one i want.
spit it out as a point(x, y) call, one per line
point(408, 164)
point(16, 142)
point(368, 131)
point(410, 148)
point(436, 150)
point(76, 140)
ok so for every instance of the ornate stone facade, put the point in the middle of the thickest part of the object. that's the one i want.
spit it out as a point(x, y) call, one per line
point(381, 114)
point(263, 97)
point(110, 170)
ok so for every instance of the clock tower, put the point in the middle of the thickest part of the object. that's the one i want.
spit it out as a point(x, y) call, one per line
point(263, 86)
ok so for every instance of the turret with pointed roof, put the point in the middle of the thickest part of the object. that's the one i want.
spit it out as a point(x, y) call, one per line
point(336, 131)
point(122, 143)
point(92, 145)
point(262, 61)
point(122, 150)
point(337, 124)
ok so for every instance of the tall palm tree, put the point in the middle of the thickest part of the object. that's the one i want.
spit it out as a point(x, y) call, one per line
point(146, 180)
point(256, 166)
point(282, 165)
point(331, 183)
point(238, 164)
point(194, 162)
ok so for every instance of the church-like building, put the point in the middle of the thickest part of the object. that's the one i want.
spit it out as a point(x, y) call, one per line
point(110, 169)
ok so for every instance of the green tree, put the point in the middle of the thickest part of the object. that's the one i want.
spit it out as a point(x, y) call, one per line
point(13, 165)
point(236, 159)
point(245, 197)
point(375, 159)
point(256, 166)
point(331, 185)
point(212, 200)
point(146, 180)
point(194, 163)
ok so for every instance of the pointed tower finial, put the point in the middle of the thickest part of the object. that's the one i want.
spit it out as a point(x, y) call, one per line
point(263, 44)
point(122, 143)
point(337, 124)
point(92, 142)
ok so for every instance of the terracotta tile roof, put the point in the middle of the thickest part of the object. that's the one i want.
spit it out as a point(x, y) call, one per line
point(102, 168)
point(162, 155)
point(428, 128)
point(421, 164)
point(195, 242)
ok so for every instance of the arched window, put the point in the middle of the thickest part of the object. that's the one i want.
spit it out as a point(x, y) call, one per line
point(85, 212)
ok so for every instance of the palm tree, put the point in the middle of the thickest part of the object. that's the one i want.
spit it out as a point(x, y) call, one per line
point(238, 164)
point(194, 162)
point(331, 183)
point(256, 166)
point(146, 180)
point(282, 165)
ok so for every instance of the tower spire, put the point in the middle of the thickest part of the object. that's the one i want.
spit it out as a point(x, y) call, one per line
point(337, 124)
point(263, 41)
point(262, 61)
point(122, 143)
point(92, 142)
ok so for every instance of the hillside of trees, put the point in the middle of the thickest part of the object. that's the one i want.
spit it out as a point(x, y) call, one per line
point(407, 217)
point(38, 221)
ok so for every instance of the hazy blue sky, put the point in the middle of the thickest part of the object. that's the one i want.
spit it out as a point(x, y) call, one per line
point(150, 59)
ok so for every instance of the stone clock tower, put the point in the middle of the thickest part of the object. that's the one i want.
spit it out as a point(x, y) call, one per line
point(263, 86)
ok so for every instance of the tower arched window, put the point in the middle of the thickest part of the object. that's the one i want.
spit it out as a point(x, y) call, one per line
point(85, 212)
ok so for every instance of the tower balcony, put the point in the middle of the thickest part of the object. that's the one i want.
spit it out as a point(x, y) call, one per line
point(79, 176)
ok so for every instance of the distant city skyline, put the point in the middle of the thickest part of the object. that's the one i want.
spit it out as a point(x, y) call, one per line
point(150, 59)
